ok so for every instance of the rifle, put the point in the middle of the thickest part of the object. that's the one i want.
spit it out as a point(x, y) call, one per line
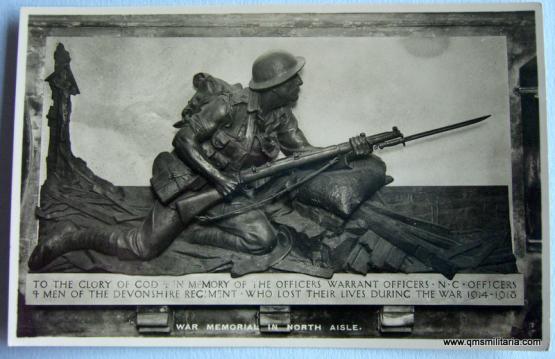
point(195, 203)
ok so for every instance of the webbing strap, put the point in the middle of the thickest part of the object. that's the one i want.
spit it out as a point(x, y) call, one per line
point(285, 189)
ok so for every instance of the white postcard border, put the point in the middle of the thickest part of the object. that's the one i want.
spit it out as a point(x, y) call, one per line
point(13, 340)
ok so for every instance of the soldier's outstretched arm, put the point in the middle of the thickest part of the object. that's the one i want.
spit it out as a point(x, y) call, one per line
point(291, 137)
point(187, 143)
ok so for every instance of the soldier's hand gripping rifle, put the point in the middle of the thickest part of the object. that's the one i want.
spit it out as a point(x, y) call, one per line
point(194, 204)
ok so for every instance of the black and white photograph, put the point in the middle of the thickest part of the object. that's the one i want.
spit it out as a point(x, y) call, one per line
point(281, 176)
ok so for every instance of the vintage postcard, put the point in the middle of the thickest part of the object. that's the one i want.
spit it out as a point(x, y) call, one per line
point(337, 176)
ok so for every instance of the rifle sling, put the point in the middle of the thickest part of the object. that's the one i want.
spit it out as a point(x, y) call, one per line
point(285, 189)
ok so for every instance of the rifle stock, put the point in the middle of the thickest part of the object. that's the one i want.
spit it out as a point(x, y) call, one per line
point(192, 205)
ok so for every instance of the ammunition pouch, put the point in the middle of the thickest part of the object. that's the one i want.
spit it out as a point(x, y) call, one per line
point(171, 177)
point(225, 151)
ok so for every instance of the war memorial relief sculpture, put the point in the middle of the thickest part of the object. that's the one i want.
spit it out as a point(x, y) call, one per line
point(213, 190)
point(248, 210)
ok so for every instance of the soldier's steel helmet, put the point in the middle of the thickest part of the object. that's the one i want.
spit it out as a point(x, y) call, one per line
point(273, 68)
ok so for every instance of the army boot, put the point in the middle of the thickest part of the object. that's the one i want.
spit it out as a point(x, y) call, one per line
point(69, 239)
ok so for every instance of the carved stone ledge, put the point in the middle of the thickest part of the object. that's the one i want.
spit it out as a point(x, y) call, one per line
point(396, 319)
point(274, 318)
point(154, 319)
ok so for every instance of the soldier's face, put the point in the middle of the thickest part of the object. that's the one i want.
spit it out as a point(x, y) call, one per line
point(289, 90)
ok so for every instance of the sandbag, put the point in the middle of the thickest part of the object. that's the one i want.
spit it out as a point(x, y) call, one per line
point(342, 191)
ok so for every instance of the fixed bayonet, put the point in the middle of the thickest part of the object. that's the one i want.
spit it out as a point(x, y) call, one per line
point(403, 140)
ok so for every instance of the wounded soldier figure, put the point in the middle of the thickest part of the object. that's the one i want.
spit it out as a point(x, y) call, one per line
point(225, 200)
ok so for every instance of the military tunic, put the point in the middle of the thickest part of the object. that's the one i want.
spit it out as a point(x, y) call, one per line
point(235, 134)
